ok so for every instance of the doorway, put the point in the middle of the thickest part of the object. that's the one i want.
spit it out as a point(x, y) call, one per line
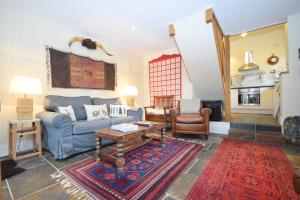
point(257, 59)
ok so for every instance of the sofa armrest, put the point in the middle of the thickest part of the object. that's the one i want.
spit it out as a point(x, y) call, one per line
point(136, 113)
point(53, 119)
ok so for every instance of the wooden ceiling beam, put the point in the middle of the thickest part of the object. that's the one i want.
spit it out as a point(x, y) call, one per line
point(171, 30)
point(209, 15)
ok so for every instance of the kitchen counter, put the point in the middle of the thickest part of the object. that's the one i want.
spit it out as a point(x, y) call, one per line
point(260, 86)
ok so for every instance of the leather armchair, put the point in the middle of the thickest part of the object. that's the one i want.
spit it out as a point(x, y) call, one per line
point(191, 123)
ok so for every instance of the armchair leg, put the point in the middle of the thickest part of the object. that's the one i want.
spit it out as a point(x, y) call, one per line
point(174, 135)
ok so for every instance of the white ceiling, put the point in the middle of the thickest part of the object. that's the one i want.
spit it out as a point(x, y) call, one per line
point(111, 20)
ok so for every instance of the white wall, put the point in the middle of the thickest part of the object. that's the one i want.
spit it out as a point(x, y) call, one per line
point(23, 39)
point(187, 86)
point(196, 42)
point(290, 82)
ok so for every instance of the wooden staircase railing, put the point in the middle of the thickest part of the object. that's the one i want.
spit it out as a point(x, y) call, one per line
point(223, 50)
point(172, 34)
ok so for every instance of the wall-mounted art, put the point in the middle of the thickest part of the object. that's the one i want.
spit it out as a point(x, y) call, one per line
point(273, 60)
point(72, 71)
point(88, 43)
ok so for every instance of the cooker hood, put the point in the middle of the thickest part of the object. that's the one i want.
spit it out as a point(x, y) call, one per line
point(249, 65)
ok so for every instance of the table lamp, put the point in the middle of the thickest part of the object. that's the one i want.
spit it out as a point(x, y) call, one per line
point(26, 86)
point(130, 92)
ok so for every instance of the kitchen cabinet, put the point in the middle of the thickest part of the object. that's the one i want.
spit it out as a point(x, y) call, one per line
point(266, 98)
point(265, 106)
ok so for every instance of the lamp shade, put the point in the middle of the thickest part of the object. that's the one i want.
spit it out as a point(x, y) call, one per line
point(130, 90)
point(25, 85)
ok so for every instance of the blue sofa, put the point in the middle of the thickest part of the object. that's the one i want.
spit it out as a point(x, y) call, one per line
point(63, 138)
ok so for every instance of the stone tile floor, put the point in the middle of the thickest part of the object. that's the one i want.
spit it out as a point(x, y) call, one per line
point(35, 183)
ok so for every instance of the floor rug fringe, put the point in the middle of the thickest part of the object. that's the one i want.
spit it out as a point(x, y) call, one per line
point(71, 187)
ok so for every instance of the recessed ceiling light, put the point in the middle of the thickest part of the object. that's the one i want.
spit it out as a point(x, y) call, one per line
point(133, 28)
point(244, 34)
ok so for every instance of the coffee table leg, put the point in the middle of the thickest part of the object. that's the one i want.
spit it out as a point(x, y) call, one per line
point(98, 147)
point(163, 137)
point(120, 161)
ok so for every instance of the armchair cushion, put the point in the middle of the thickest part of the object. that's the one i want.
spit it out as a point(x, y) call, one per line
point(189, 106)
point(189, 119)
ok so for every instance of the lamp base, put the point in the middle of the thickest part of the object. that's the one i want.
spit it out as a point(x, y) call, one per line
point(24, 108)
point(130, 101)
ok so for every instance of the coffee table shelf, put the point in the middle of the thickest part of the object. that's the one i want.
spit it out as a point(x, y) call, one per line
point(125, 142)
point(110, 153)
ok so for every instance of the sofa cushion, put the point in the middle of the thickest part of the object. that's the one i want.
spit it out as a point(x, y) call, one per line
point(83, 127)
point(110, 101)
point(95, 112)
point(189, 119)
point(120, 120)
point(117, 111)
point(53, 101)
point(67, 110)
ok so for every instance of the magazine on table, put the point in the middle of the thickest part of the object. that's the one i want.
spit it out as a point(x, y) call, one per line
point(125, 127)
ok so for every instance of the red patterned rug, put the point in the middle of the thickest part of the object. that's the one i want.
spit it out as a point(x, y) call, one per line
point(148, 172)
point(246, 170)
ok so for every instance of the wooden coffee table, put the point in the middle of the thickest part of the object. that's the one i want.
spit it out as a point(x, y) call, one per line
point(126, 141)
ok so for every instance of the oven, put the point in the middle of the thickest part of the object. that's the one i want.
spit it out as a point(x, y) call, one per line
point(249, 96)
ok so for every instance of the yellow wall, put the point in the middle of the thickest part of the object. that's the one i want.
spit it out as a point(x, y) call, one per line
point(263, 44)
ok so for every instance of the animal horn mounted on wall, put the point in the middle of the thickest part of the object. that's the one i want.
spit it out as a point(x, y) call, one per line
point(88, 43)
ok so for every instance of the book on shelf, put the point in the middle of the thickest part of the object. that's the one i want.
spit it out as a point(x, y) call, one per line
point(145, 123)
point(125, 127)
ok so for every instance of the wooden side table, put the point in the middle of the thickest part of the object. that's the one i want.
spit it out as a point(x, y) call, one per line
point(34, 130)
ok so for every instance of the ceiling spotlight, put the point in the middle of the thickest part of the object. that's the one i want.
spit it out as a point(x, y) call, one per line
point(133, 28)
point(244, 34)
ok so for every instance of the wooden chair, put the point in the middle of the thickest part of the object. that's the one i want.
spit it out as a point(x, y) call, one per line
point(160, 111)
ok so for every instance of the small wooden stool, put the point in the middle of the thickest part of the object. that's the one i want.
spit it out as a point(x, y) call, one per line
point(34, 130)
point(296, 180)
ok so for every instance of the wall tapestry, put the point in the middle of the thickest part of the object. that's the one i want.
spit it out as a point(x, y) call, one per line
point(165, 77)
point(72, 71)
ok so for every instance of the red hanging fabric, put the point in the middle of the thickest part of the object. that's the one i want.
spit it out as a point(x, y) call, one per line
point(165, 77)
